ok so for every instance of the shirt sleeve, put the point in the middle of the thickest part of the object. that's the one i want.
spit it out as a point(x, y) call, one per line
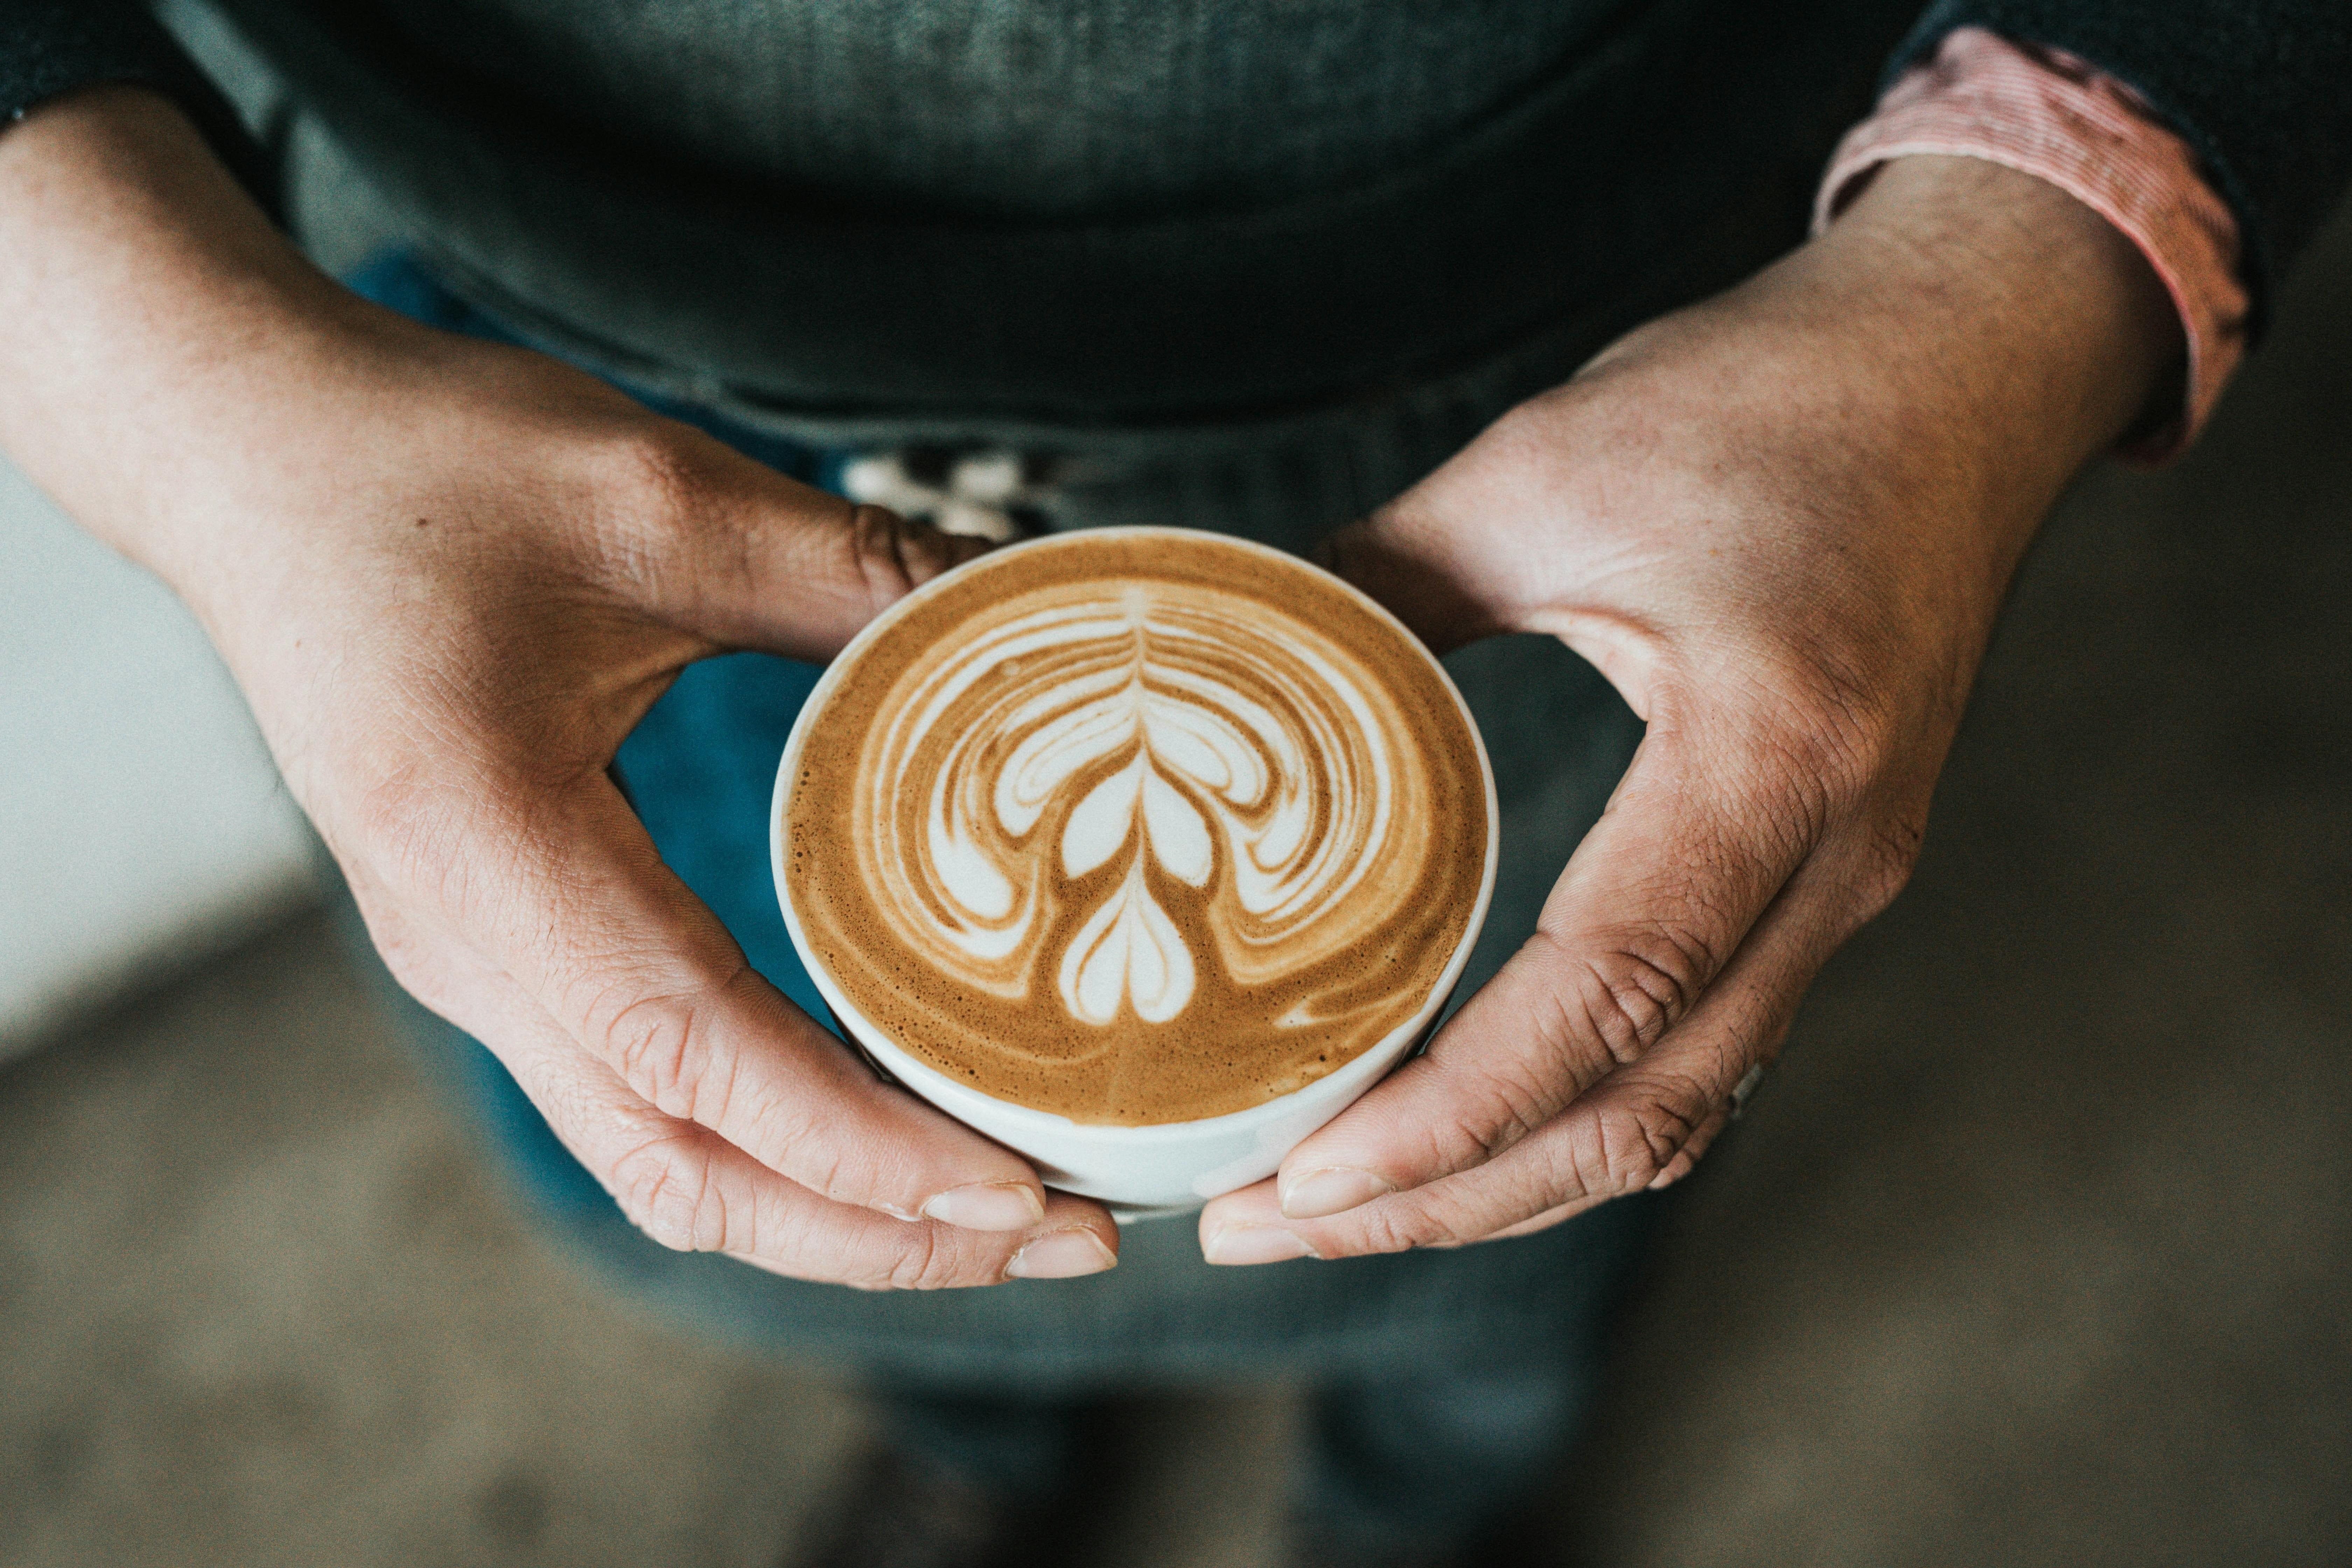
point(2256, 88)
point(2049, 114)
point(50, 47)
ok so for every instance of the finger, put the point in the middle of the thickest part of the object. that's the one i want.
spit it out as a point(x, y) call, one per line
point(1543, 1221)
point(1416, 571)
point(750, 558)
point(1686, 1159)
point(1681, 1166)
point(1253, 1228)
point(564, 893)
point(692, 1190)
point(650, 1162)
point(1700, 837)
point(1624, 1133)
point(1446, 582)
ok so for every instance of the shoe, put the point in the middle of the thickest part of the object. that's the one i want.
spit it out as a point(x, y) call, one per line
point(894, 1510)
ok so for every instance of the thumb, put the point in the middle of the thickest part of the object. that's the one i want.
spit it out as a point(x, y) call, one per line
point(1437, 555)
point(1399, 557)
point(1650, 910)
point(760, 559)
point(565, 896)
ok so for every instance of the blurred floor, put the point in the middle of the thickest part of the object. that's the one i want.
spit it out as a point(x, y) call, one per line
point(2036, 1250)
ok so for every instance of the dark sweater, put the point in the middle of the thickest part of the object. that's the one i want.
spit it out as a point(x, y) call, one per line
point(1126, 212)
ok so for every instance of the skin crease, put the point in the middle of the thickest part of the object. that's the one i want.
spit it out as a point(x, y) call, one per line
point(450, 576)
point(1782, 522)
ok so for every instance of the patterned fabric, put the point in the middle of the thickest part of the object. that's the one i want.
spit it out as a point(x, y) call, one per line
point(2046, 113)
point(2256, 88)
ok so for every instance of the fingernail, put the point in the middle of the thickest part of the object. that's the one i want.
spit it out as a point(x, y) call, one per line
point(1334, 1189)
point(987, 1205)
point(1061, 1254)
point(1254, 1244)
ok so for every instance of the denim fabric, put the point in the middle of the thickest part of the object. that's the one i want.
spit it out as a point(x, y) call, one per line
point(1393, 1465)
point(1405, 1463)
point(699, 769)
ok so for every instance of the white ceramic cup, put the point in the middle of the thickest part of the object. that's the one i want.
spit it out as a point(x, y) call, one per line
point(1170, 1165)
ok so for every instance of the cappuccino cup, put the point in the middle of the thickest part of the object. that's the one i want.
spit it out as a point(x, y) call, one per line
point(1141, 852)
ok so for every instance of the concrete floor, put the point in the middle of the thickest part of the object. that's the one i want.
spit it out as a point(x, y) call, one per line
point(2035, 1251)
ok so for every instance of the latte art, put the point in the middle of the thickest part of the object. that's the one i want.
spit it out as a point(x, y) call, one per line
point(1169, 738)
point(1116, 834)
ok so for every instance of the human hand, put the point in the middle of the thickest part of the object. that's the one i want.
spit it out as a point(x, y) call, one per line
point(1781, 523)
point(450, 577)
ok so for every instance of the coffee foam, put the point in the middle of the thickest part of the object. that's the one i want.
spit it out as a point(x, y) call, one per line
point(1136, 827)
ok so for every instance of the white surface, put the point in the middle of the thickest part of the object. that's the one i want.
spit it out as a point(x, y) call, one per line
point(1171, 1166)
point(141, 825)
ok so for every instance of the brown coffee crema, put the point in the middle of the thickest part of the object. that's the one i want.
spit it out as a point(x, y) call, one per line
point(1136, 827)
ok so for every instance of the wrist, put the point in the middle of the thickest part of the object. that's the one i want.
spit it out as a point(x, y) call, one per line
point(151, 318)
point(2035, 333)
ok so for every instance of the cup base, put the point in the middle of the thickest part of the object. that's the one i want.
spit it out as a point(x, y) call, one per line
point(1133, 1213)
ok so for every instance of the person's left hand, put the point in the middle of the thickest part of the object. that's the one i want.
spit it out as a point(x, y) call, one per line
point(1781, 523)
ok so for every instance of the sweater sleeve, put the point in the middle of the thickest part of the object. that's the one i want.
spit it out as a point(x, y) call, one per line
point(50, 47)
point(2256, 88)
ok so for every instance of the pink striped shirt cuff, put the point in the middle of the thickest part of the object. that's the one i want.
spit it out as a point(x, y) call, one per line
point(2049, 114)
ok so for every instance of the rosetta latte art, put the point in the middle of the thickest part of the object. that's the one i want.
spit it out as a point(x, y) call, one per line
point(1139, 827)
point(1164, 741)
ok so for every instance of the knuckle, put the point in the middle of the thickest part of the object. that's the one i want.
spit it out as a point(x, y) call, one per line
point(660, 1049)
point(663, 1186)
point(652, 486)
point(661, 1043)
point(408, 828)
point(1627, 995)
point(922, 1260)
point(656, 474)
point(1889, 853)
point(1852, 746)
point(888, 556)
point(1502, 1102)
point(1633, 1143)
point(421, 841)
point(1528, 431)
point(929, 1263)
point(1894, 852)
point(1401, 1227)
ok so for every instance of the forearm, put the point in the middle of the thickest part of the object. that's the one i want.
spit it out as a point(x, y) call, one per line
point(149, 315)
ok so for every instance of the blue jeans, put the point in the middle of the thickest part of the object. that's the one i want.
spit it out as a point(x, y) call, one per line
point(1446, 1378)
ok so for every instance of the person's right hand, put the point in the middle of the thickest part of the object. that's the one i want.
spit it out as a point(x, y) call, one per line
point(450, 577)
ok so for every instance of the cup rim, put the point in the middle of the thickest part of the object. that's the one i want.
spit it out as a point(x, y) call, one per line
point(901, 1063)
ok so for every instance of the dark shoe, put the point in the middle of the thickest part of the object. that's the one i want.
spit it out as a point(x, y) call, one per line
point(893, 1511)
